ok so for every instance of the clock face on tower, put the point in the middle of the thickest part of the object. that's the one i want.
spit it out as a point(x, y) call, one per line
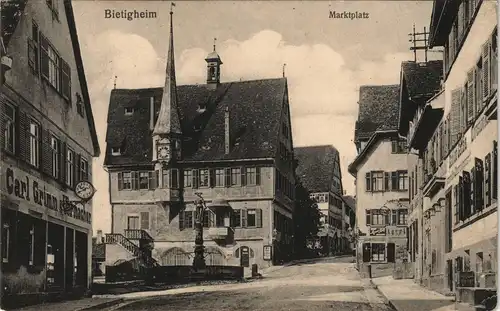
point(164, 152)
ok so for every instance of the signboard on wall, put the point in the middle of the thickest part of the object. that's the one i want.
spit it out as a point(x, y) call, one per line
point(23, 187)
point(267, 252)
point(396, 231)
point(377, 231)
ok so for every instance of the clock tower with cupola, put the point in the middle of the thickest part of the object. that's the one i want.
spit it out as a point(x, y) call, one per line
point(167, 133)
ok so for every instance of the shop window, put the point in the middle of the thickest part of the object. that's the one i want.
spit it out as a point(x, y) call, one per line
point(378, 252)
point(5, 242)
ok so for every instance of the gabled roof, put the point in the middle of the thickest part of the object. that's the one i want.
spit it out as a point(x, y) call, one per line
point(378, 110)
point(254, 108)
point(81, 76)
point(11, 14)
point(316, 166)
point(422, 79)
point(372, 142)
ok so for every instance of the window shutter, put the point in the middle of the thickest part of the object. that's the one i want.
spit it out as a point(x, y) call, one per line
point(487, 180)
point(478, 186)
point(44, 57)
point(494, 62)
point(445, 139)
point(144, 220)
point(23, 136)
point(455, 115)
point(65, 79)
point(387, 186)
point(466, 194)
point(461, 198)
point(76, 168)
point(394, 181)
point(368, 181)
point(472, 189)
point(387, 217)
point(120, 181)
point(391, 252)
point(212, 177)
point(257, 175)
point(463, 110)
point(460, 22)
point(243, 218)
point(470, 95)
point(46, 152)
point(151, 180)
point(258, 217)
point(455, 198)
point(368, 217)
point(494, 175)
point(228, 177)
point(486, 69)
point(181, 220)
point(367, 252)
point(195, 178)
point(62, 162)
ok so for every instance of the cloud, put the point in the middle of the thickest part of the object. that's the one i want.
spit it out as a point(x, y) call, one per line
point(323, 91)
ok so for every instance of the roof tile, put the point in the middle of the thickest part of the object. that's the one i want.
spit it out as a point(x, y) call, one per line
point(254, 108)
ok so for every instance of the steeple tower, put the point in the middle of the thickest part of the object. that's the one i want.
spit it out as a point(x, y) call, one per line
point(213, 67)
point(167, 131)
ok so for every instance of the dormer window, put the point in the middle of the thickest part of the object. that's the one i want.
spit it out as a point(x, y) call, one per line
point(116, 151)
point(129, 111)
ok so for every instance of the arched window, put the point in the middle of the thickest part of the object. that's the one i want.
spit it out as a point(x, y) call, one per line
point(175, 257)
point(214, 256)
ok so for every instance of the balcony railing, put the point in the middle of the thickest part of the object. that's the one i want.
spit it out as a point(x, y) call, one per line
point(137, 234)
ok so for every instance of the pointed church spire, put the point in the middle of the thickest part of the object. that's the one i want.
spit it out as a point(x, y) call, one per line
point(168, 118)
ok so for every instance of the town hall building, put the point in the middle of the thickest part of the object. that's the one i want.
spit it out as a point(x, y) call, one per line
point(167, 146)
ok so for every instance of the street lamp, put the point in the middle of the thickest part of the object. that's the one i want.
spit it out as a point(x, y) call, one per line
point(199, 249)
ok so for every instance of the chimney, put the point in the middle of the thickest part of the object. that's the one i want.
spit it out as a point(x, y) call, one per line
point(99, 237)
point(227, 140)
point(152, 113)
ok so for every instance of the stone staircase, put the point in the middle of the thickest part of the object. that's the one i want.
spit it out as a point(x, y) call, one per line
point(143, 255)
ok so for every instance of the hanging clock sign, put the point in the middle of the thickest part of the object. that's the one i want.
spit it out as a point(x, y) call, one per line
point(85, 190)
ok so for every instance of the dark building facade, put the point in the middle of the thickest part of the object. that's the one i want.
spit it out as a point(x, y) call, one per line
point(167, 145)
point(47, 143)
point(319, 171)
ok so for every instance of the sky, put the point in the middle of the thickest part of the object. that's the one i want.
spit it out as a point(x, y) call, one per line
point(327, 59)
